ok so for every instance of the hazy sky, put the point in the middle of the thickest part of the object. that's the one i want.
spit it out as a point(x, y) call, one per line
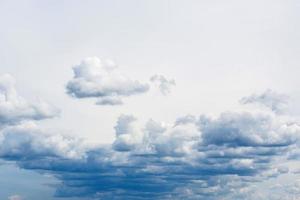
point(210, 54)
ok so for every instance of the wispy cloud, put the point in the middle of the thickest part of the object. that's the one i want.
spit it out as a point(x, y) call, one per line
point(270, 99)
point(163, 83)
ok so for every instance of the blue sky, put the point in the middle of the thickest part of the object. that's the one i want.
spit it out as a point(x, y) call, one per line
point(149, 99)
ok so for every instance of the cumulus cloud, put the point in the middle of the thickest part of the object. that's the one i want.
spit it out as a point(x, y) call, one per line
point(28, 141)
point(164, 84)
point(246, 129)
point(127, 135)
point(100, 79)
point(14, 108)
point(270, 99)
point(194, 158)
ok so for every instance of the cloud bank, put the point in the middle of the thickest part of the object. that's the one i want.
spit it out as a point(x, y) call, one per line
point(205, 158)
point(100, 79)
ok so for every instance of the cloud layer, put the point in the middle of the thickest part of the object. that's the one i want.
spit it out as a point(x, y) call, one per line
point(100, 79)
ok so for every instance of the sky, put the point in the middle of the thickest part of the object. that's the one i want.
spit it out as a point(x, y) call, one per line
point(149, 99)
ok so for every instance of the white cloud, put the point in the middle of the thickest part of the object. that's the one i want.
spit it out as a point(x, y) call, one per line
point(27, 140)
point(95, 78)
point(127, 134)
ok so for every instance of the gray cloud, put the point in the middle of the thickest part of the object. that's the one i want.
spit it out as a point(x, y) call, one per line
point(164, 84)
point(14, 108)
point(270, 99)
point(95, 78)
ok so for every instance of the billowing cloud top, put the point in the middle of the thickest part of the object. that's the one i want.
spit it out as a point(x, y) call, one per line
point(14, 108)
point(101, 79)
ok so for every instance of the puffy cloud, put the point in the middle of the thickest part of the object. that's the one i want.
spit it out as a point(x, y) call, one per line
point(14, 108)
point(164, 84)
point(15, 197)
point(246, 129)
point(95, 78)
point(127, 136)
point(200, 157)
point(270, 99)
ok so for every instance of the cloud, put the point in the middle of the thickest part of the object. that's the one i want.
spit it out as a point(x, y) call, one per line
point(28, 141)
point(164, 84)
point(100, 79)
point(110, 100)
point(185, 120)
point(15, 197)
point(195, 158)
point(270, 99)
point(246, 129)
point(14, 108)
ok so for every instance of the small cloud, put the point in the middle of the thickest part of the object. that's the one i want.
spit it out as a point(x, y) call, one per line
point(95, 78)
point(164, 84)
